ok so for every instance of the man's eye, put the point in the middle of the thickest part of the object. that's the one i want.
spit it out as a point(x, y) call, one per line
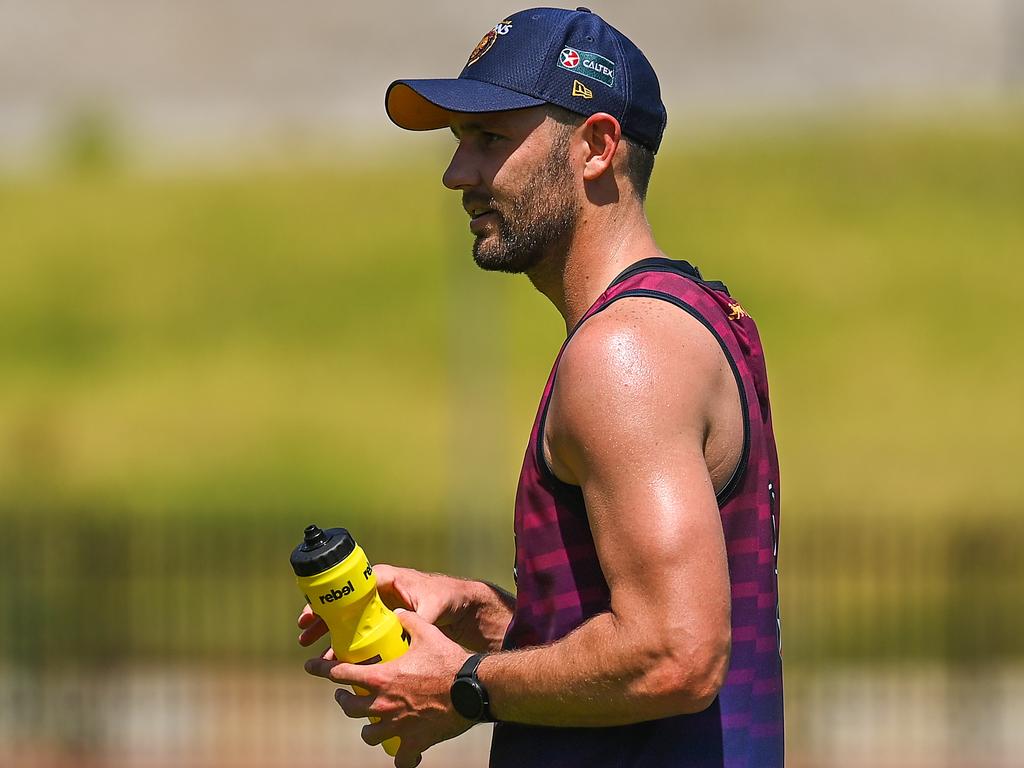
point(478, 138)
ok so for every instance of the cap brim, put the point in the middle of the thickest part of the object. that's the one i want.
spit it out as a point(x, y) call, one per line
point(424, 105)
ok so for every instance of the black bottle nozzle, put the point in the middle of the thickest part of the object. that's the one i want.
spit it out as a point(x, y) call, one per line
point(314, 537)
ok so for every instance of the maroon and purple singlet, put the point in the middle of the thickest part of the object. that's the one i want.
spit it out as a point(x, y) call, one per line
point(559, 582)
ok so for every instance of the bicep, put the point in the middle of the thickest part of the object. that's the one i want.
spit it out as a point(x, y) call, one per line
point(658, 534)
point(631, 415)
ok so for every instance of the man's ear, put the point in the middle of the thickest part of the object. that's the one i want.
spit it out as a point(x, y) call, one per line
point(602, 134)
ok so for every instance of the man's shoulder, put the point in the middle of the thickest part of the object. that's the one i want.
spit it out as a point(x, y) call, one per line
point(637, 364)
point(632, 339)
point(639, 379)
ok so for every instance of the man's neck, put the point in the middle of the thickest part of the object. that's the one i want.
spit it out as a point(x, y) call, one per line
point(602, 247)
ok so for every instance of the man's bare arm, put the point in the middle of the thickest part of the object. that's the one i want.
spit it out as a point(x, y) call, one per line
point(629, 422)
point(651, 392)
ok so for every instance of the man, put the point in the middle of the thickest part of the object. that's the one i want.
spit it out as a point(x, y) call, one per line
point(644, 628)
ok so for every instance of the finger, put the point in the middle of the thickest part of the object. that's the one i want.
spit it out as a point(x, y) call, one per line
point(413, 623)
point(306, 616)
point(407, 757)
point(388, 590)
point(352, 705)
point(313, 632)
point(385, 574)
point(345, 674)
point(376, 733)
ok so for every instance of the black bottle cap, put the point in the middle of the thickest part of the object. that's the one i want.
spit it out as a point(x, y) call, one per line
point(321, 550)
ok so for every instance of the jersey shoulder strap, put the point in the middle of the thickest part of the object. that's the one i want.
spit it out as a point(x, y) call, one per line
point(663, 264)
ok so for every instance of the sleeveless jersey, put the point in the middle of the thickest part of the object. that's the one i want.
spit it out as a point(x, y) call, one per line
point(559, 582)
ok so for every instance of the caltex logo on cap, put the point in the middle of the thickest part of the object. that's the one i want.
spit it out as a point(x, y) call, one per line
point(588, 64)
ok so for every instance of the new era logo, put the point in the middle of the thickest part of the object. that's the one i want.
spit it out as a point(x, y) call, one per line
point(580, 90)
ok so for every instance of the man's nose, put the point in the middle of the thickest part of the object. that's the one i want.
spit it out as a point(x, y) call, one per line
point(461, 171)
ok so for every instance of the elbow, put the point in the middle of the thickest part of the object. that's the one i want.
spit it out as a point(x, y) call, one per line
point(700, 673)
point(703, 688)
point(691, 673)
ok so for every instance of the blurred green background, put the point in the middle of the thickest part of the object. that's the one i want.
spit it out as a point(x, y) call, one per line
point(200, 359)
point(197, 365)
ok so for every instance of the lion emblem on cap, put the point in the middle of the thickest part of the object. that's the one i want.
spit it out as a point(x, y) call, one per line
point(501, 28)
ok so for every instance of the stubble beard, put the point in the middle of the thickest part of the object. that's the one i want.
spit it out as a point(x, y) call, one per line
point(537, 222)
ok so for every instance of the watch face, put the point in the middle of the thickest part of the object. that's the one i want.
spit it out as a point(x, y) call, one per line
point(467, 699)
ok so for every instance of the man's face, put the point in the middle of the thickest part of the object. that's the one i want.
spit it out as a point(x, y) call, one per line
point(517, 186)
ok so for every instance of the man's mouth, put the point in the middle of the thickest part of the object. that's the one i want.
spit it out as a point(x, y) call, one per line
point(477, 204)
point(481, 219)
point(479, 209)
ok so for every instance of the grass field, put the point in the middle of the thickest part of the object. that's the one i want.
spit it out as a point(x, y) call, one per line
point(319, 336)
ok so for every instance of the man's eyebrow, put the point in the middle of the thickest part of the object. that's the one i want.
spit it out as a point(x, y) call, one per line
point(466, 128)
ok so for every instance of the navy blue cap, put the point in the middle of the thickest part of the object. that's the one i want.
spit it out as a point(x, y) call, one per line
point(573, 59)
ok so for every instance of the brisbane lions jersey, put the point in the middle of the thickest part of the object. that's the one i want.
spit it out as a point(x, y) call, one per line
point(560, 583)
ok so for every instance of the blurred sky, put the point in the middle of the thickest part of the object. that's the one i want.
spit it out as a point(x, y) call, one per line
point(201, 75)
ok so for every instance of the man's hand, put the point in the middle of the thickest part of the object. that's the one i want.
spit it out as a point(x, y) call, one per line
point(410, 694)
point(441, 600)
point(472, 613)
point(431, 595)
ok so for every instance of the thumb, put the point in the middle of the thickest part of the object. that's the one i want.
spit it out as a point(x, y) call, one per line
point(413, 623)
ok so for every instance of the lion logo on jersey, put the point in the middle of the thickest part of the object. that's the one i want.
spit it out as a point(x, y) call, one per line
point(736, 312)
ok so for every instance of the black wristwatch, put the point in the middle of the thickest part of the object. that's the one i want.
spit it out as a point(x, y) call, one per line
point(469, 697)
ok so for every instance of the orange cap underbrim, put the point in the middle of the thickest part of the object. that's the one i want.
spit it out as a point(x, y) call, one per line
point(407, 109)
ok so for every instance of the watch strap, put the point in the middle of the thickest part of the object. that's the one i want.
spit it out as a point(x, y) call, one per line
point(468, 672)
point(469, 668)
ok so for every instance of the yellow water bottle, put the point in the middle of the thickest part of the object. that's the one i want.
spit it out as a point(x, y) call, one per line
point(338, 582)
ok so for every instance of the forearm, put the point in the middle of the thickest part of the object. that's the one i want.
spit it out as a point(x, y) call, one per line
point(604, 673)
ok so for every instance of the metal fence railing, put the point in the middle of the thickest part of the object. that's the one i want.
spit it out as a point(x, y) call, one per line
point(171, 641)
